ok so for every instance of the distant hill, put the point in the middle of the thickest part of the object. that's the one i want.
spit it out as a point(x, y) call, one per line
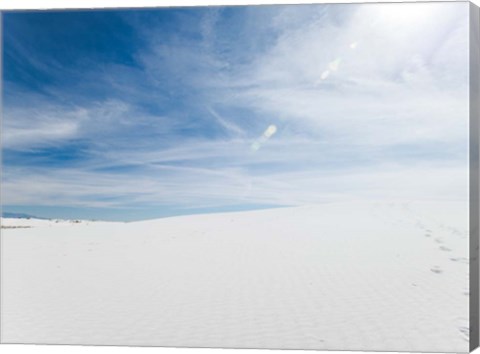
point(19, 216)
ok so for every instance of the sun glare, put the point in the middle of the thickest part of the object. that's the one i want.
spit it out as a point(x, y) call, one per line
point(400, 13)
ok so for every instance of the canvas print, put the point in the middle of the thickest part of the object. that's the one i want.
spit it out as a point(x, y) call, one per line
point(281, 177)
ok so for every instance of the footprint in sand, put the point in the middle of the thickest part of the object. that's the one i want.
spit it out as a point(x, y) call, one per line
point(420, 225)
point(438, 240)
point(443, 248)
point(464, 333)
point(459, 260)
point(428, 235)
point(436, 270)
point(463, 328)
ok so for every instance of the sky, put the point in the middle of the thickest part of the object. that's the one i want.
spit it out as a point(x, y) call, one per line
point(139, 114)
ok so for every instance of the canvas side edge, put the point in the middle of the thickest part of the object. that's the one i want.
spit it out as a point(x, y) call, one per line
point(474, 113)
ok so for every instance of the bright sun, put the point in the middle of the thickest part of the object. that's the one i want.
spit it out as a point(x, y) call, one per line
point(400, 12)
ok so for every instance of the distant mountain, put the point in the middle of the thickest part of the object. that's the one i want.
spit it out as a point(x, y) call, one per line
point(19, 216)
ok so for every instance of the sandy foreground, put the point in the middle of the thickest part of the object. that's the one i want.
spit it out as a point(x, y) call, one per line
point(346, 276)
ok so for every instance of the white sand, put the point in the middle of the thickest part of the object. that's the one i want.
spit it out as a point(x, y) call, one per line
point(356, 276)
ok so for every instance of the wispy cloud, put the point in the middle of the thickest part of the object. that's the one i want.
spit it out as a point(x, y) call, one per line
point(229, 126)
point(356, 99)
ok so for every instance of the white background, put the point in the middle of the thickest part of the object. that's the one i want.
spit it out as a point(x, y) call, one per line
point(49, 4)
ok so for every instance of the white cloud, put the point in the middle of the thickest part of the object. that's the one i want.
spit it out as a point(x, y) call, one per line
point(32, 127)
point(404, 75)
point(228, 125)
point(390, 120)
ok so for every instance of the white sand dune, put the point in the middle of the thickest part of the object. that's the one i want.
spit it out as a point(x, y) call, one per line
point(347, 276)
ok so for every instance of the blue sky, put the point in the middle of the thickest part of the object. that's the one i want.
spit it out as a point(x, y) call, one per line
point(136, 114)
